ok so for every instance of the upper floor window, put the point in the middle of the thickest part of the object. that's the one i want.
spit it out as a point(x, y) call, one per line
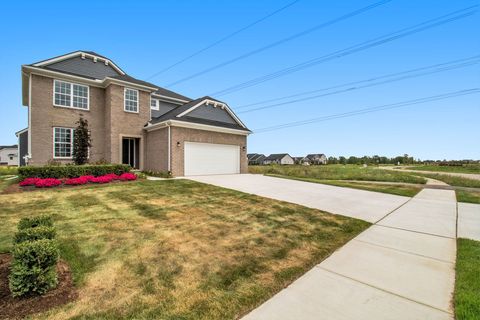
point(62, 143)
point(131, 100)
point(154, 104)
point(70, 95)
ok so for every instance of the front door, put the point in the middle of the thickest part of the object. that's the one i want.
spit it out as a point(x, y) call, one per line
point(130, 152)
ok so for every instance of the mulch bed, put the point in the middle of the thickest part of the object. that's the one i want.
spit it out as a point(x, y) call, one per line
point(18, 308)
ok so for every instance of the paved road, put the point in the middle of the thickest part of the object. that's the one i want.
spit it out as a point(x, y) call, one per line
point(472, 176)
point(366, 205)
point(400, 268)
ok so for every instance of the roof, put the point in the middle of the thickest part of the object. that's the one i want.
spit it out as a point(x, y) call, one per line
point(174, 113)
point(14, 146)
point(277, 156)
point(76, 65)
point(313, 155)
point(255, 156)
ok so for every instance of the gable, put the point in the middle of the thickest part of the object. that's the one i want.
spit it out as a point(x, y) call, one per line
point(84, 67)
point(210, 112)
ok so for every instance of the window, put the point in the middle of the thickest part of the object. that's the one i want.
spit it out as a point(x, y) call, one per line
point(62, 142)
point(131, 100)
point(155, 104)
point(70, 95)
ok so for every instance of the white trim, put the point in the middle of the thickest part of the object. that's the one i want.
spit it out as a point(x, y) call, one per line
point(125, 100)
point(71, 95)
point(29, 151)
point(182, 124)
point(20, 132)
point(157, 104)
point(215, 103)
point(109, 80)
point(83, 55)
point(71, 143)
point(169, 166)
point(169, 98)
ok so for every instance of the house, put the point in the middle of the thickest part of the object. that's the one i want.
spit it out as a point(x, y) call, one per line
point(9, 155)
point(255, 158)
point(318, 158)
point(297, 160)
point(131, 121)
point(278, 158)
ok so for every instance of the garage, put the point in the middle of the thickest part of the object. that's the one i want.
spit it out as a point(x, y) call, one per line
point(209, 158)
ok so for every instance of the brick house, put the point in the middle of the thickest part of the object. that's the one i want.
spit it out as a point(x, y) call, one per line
point(131, 121)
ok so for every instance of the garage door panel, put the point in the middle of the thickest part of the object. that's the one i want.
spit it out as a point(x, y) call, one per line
point(209, 158)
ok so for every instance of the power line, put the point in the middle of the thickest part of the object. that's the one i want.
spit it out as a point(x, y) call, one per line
point(371, 109)
point(456, 15)
point(279, 42)
point(473, 59)
point(223, 39)
point(405, 75)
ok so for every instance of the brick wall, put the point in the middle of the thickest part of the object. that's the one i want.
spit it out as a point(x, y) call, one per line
point(156, 150)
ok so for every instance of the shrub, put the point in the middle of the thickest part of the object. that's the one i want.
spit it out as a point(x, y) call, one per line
point(128, 176)
point(28, 182)
point(160, 174)
point(71, 171)
point(37, 221)
point(47, 183)
point(36, 233)
point(33, 269)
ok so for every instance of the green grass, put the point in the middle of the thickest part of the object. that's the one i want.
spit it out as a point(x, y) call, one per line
point(400, 190)
point(467, 285)
point(4, 183)
point(468, 196)
point(452, 180)
point(176, 249)
point(338, 172)
point(466, 168)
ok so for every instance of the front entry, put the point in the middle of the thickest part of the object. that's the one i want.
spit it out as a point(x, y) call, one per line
point(131, 152)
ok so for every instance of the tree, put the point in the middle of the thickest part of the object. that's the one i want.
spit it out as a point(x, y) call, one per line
point(81, 142)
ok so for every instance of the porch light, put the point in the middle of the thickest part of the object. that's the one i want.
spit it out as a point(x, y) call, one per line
point(244, 148)
point(178, 143)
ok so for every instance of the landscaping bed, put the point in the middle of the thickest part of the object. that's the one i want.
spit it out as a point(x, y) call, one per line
point(18, 308)
point(82, 180)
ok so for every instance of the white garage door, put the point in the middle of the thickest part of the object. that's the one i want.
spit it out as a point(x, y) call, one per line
point(208, 158)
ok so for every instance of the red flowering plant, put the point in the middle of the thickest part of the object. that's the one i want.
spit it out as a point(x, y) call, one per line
point(101, 179)
point(28, 182)
point(77, 181)
point(47, 183)
point(128, 176)
point(112, 176)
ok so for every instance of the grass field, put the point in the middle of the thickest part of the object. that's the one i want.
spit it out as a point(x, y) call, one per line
point(338, 172)
point(400, 190)
point(452, 180)
point(466, 168)
point(468, 196)
point(467, 285)
point(176, 249)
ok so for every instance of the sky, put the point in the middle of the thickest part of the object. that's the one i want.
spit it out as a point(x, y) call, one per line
point(145, 37)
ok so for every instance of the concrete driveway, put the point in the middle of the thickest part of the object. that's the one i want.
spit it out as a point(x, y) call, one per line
point(365, 205)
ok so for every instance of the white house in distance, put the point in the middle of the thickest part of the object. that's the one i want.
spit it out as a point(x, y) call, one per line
point(9, 155)
point(316, 158)
point(279, 158)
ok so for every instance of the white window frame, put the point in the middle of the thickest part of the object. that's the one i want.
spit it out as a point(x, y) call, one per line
point(71, 143)
point(71, 95)
point(125, 100)
point(157, 104)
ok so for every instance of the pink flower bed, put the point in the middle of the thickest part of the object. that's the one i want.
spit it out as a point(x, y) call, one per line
point(52, 182)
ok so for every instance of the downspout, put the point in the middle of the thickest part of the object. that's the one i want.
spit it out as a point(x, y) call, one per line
point(29, 151)
point(169, 148)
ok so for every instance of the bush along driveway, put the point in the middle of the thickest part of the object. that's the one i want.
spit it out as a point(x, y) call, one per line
point(185, 251)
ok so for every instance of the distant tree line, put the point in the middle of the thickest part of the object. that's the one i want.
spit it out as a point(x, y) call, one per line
point(402, 160)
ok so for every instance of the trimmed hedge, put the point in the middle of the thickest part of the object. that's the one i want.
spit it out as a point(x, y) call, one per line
point(37, 221)
point(71, 171)
point(33, 269)
point(32, 234)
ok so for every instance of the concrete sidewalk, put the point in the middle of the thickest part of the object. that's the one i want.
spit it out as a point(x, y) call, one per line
point(401, 268)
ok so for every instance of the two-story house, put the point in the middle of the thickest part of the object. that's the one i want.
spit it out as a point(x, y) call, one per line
point(131, 121)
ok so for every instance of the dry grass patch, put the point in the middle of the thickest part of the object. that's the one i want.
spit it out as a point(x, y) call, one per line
point(177, 249)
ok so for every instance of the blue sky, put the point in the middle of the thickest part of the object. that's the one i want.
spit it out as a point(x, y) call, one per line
point(144, 37)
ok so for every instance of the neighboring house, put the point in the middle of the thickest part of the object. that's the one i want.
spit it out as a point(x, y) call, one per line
point(9, 155)
point(255, 158)
point(318, 158)
point(279, 158)
point(297, 160)
point(131, 121)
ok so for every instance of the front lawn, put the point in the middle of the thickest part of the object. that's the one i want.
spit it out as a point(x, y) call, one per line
point(468, 196)
point(338, 172)
point(467, 285)
point(177, 249)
